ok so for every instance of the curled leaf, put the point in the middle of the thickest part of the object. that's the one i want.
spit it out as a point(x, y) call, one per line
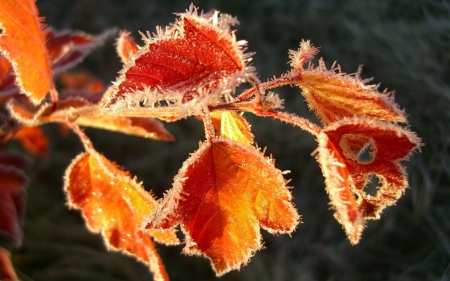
point(334, 95)
point(115, 205)
point(21, 26)
point(126, 46)
point(34, 140)
point(388, 145)
point(221, 196)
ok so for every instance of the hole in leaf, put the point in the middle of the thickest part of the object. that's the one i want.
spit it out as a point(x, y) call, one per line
point(373, 184)
point(358, 148)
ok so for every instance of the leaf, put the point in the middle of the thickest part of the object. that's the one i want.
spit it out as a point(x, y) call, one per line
point(16, 159)
point(21, 29)
point(221, 196)
point(12, 201)
point(126, 46)
point(196, 59)
point(7, 78)
point(115, 205)
point(34, 140)
point(67, 48)
point(338, 188)
point(7, 272)
point(85, 113)
point(364, 148)
point(334, 95)
point(233, 126)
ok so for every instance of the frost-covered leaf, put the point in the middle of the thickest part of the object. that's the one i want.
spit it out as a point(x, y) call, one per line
point(115, 205)
point(12, 201)
point(233, 126)
point(67, 48)
point(334, 95)
point(196, 59)
point(368, 150)
point(22, 42)
point(126, 46)
point(221, 197)
point(85, 113)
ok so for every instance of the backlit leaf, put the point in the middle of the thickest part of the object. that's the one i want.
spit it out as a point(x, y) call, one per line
point(233, 126)
point(22, 42)
point(221, 197)
point(84, 113)
point(7, 272)
point(334, 95)
point(115, 205)
point(197, 58)
point(126, 46)
point(371, 149)
point(12, 201)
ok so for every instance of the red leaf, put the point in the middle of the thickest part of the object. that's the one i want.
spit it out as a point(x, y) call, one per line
point(12, 201)
point(67, 48)
point(22, 29)
point(115, 205)
point(196, 58)
point(387, 145)
point(221, 196)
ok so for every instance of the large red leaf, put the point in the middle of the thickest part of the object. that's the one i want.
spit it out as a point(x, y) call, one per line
point(221, 196)
point(196, 58)
point(22, 42)
point(334, 95)
point(115, 205)
point(369, 148)
point(12, 201)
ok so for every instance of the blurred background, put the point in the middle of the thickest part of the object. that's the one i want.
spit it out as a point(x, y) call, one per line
point(403, 44)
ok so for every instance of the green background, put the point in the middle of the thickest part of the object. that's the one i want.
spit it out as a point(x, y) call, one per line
point(404, 45)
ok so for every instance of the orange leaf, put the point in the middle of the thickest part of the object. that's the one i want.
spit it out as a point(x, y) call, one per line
point(115, 205)
point(338, 188)
point(7, 272)
point(84, 113)
point(233, 126)
point(126, 46)
point(12, 201)
point(388, 145)
point(22, 42)
point(196, 59)
point(33, 139)
point(221, 196)
point(334, 95)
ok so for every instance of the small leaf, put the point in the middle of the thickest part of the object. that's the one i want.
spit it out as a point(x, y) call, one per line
point(67, 48)
point(115, 205)
point(233, 126)
point(7, 272)
point(81, 80)
point(334, 95)
point(386, 145)
point(22, 42)
point(221, 196)
point(12, 201)
point(126, 46)
point(34, 140)
point(197, 59)
point(7, 78)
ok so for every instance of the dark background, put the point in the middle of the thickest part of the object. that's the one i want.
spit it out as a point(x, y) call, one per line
point(404, 44)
